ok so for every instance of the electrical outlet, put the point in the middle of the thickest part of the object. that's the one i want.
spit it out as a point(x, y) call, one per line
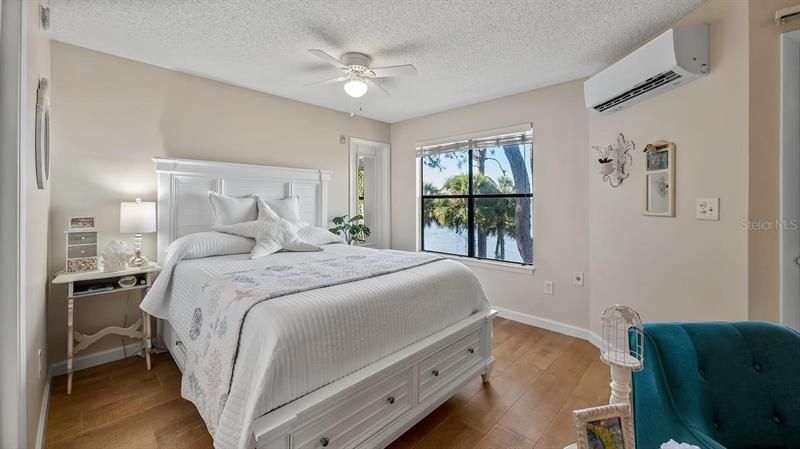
point(577, 278)
point(707, 209)
point(342, 139)
point(548, 287)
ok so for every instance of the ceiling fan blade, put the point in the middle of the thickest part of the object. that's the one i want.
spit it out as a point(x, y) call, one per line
point(372, 82)
point(327, 58)
point(395, 70)
point(330, 80)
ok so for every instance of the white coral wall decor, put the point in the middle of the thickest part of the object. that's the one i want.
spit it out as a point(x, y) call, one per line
point(614, 160)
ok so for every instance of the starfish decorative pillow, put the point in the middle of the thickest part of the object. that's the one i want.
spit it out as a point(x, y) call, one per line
point(272, 233)
point(276, 233)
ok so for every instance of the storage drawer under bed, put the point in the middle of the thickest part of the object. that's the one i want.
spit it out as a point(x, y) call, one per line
point(174, 343)
point(442, 367)
point(371, 407)
point(348, 424)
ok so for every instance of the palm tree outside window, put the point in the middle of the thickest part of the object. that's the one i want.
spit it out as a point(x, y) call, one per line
point(477, 198)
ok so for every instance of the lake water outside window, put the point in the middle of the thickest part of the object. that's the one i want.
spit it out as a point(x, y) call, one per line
point(477, 200)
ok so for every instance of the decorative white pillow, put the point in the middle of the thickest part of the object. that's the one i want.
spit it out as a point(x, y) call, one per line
point(250, 228)
point(318, 236)
point(230, 210)
point(275, 233)
point(287, 208)
point(247, 229)
point(309, 234)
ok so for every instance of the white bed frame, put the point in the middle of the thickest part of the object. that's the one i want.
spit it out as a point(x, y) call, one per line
point(368, 408)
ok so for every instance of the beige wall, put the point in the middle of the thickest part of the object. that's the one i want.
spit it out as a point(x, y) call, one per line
point(680, 268)
point(764, 255)
point(560, 131)
point(112, 115)
point(36, 211)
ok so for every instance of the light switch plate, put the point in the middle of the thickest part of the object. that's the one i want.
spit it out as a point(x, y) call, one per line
point(577, 278)
point(707, 209)
point(548, 287)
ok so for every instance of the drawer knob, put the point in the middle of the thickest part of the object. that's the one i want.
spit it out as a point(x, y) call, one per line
point(83, 251)
point(471, 351)
point(178, 343)
point(324, 441)
point(83, 237)
point(435, 373)
point(390, 399)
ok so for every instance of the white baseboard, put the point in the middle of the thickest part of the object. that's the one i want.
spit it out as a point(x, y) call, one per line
point(97, 358)
point(595, 340)
point(551, 325)
point(43, 413)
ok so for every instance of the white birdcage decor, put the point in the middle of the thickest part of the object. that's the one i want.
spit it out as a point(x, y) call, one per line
point(622, 348)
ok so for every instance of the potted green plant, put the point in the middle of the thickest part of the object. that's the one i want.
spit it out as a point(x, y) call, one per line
point(353, 229)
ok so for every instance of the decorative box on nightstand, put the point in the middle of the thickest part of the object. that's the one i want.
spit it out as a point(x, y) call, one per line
point(82, 254)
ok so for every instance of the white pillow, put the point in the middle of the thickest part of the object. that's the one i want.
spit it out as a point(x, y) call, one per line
point(318, 236)
point(309, 234)
point(207, 244)
point(287, 208)
point(247, 229)
point(275, 233)
point(230, 210)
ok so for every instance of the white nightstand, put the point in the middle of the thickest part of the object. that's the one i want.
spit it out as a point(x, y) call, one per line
point(77, 284)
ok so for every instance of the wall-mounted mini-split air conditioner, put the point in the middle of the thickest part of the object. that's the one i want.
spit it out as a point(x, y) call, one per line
point(674, 58)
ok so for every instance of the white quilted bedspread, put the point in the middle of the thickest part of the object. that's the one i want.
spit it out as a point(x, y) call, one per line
point(295, 344)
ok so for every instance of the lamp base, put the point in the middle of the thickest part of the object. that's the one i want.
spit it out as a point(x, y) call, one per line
point(138, 260)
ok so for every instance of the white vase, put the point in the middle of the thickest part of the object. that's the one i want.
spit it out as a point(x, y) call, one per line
point(116, 255)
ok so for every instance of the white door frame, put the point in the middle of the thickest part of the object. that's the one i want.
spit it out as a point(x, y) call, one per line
point(384, 179)
point(13, 383)
point(790, 181)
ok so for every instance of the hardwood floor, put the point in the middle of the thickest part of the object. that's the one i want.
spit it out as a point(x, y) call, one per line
point(540, 377)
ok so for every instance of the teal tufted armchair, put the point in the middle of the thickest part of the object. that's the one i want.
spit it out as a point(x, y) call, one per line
point(719, 386)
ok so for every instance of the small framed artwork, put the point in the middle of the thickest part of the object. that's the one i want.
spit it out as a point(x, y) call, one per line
point(80, 223)
point(605, 427)
point(659, 179)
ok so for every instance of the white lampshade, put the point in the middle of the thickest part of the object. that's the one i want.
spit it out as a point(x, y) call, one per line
point(137, 218)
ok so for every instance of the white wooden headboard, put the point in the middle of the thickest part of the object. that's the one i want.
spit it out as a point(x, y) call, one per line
point(183, 186)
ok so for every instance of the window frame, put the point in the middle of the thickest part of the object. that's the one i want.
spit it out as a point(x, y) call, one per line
point(470, 197)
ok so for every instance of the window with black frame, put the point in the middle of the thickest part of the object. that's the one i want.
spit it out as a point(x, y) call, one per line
point(477, 198)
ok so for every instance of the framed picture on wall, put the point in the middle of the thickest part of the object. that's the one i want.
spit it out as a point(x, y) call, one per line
point(659, 179)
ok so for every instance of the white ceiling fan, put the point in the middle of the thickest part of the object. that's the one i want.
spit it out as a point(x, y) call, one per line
point(358, 74)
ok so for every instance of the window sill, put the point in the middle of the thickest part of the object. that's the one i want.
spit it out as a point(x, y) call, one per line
point(492, 265)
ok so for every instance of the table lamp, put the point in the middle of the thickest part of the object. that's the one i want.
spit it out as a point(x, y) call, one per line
point(137, 218)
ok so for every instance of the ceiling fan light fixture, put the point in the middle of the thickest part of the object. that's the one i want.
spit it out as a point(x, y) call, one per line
point(356, 88)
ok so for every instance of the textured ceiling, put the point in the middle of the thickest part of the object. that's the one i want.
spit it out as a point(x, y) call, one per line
point(466, 51)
